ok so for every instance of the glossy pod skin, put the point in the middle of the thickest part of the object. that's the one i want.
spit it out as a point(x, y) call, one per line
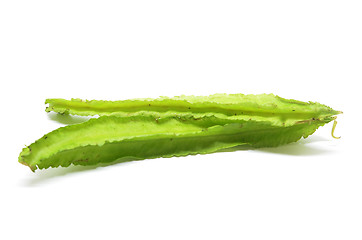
point(178, 126)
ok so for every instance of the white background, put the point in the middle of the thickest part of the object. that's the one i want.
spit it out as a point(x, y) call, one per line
point(306, 50)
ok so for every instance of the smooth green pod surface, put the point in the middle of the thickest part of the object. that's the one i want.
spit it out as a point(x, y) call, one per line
point(110, 138)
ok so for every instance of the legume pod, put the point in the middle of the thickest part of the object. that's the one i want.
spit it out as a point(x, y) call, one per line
point(108, 138)
point(262, 107)
point(166, 127)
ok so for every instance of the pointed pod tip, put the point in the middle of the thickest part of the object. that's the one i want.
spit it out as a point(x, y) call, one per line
point(32, 168)
point(23, 156)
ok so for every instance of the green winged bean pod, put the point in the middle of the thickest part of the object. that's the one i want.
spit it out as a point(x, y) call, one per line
point(166, 127)
point(262, 107)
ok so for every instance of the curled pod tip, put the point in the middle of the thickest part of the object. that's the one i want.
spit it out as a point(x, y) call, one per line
point(333, 128)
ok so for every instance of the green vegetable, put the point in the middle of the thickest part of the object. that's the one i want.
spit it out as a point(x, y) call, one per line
point(165, 127)
point(263, 107)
